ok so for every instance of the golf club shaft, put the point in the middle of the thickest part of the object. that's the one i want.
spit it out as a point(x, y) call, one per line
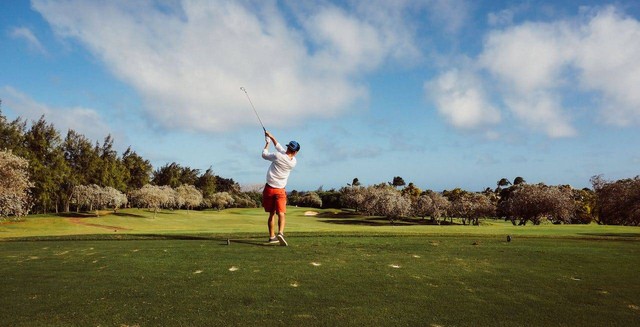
point(254, 108)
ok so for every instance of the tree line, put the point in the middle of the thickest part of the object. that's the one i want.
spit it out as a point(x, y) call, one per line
point(41, 172)
point(57, 168)
point(609, 202)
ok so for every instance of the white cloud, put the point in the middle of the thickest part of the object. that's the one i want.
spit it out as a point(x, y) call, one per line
point(541, 112)
point(505, 17)
point(396, 26)
point(536, 67)
point(530, 60)
point(27, 35)
point(189, 62)
point(528, 57)
point(85, 121)
point(452, 14)
point(346, 43)
point(608, 58)
point(460, 98)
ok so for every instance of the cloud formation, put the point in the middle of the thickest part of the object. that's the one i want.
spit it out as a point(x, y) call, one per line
point(27, 35)
point(188, 60)
point(85, 121)
point(536, 67)
point(461, 99)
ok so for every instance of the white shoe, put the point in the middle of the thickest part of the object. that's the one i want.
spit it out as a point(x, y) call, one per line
point(281, 239)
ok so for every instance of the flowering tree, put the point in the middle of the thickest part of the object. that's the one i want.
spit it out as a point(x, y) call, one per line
point(537, 202)
point(14, 186)
point(188, 196)
point(617, 203)
point(353, 196)
point(472, 206)
point(154, 197)
point(431, 204)
point(422, 206)
point(221, 200)
point(114, 198)
point(310, 199)
point(384, 200)
point(95, 197)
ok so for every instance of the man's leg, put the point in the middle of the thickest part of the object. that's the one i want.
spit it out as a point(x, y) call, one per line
point(272, 224)
point(281, 208)
point(281, 222)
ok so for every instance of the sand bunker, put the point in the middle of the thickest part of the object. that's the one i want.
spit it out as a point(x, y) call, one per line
point(310, 213)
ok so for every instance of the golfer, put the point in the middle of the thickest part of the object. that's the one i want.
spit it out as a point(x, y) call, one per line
point(274, 195)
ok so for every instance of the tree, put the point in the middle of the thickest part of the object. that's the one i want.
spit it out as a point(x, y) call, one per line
point(189, 196)
point(139, 170)
point(206, 183)
point(503, 182)
point(168, 174)
point(14, 186)
point(174, 175)
point(617, 203)
point(83, 162)
point(154, 197)
point(226, 185)
point(440, 205)
point(472, 206)
point(82, 197)
point(12, 135)
point(221, 200)
point(331, 199)
point(47, 166)
point(519, 180)
point(310, 199)
point(246, 199)
point(111, 170)
point(92, 197)
point(536, 202)
point(585, 202)
point(114, 198)
point(412, 192)
point(352, 197)
point(422, 207)
point(383, 200)
point(397, 182)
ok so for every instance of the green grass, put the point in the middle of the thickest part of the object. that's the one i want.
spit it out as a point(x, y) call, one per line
point(176, 270)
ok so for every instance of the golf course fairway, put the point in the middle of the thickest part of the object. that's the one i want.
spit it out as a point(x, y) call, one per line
point(210, 268)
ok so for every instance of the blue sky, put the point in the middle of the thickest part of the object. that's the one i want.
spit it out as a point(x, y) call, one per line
point(443, 93)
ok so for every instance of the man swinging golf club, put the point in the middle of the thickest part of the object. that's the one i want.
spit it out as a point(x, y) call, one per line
point(274, 195)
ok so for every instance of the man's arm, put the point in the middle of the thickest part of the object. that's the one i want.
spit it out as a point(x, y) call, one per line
point(265, 152)
point(277, 145)
point(271, 137)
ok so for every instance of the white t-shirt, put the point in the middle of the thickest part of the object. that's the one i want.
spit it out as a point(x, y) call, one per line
point(281, 166)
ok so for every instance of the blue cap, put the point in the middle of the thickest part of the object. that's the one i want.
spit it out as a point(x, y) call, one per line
point(293, 146)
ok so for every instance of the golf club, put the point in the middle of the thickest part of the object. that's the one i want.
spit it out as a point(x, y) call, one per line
point(254, 108)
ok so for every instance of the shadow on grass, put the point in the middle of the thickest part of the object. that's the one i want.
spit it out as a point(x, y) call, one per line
point(625, 235)
point(93, 214)
point(217, 238)
point(351, 218)
point(130, 215)
point(77, 215)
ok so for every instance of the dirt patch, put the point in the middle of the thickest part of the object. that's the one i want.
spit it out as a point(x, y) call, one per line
point(81, 221)
point(310, 213)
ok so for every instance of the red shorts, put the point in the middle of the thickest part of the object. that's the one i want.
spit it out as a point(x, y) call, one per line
point(274, 199)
